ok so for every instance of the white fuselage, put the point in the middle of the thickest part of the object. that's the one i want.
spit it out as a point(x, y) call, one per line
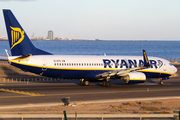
point(47, 64)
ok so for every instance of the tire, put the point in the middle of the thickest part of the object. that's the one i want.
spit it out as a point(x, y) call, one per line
point(109, 83)
point(160, 82)
point(86, 82)
point(104, 83)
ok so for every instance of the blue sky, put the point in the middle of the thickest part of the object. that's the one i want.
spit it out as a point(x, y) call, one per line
point(97, 19)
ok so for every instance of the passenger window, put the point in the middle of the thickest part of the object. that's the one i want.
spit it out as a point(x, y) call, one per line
point(170, 64)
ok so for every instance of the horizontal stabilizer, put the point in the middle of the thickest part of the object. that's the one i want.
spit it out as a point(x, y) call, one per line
point(23, 57)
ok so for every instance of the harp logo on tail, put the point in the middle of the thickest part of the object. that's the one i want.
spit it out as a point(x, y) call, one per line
point(17, 36)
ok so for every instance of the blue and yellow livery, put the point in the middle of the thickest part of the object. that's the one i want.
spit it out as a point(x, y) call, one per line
point(130, 69)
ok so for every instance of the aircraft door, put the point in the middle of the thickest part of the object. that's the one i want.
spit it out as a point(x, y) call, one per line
point(165, 67)
point(44, 65)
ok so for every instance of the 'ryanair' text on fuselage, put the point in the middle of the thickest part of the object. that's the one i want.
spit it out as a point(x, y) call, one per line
point(120, 63)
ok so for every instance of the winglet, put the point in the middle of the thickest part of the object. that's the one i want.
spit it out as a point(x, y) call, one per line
point(7, 53)
point(146, 61)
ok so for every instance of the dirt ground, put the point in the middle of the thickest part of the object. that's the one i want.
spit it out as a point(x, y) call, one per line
point(9, 71)
point(137, 107)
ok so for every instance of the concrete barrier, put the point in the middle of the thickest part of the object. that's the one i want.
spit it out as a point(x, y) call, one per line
point(140, 116)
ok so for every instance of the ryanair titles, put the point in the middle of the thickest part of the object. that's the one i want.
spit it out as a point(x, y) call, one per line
point(120, 63)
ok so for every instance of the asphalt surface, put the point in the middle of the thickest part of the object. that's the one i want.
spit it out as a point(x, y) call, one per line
point(50, 92)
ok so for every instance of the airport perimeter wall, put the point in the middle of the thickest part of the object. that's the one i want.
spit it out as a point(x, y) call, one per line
point(92, 116)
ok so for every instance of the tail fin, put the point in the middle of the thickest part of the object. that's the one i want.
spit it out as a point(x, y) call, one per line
point(19, 42)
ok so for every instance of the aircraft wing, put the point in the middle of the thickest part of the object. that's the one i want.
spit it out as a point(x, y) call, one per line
point(124, 72)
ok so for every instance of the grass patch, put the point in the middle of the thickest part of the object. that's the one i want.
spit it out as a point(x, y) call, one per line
point(130, 104)
point(151, 109)
point(156, 102)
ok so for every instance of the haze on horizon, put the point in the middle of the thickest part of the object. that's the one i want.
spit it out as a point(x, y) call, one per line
point(97, 19)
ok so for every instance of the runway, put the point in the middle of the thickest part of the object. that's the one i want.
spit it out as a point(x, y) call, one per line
point(50, 92)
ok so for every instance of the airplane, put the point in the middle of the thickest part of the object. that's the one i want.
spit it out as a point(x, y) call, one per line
point(87, 68)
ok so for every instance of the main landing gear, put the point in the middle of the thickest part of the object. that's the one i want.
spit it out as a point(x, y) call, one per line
point(84, 82)
point(160, 81)
point(106, 83)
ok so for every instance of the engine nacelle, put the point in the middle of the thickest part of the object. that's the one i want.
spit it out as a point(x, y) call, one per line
point(134, 77)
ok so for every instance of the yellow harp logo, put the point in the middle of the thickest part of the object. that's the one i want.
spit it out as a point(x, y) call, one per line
point(17, 36)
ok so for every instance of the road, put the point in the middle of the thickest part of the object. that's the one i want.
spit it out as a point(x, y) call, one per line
point(49, 92)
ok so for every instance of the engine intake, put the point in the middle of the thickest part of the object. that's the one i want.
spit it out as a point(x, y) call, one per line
point(135, 77)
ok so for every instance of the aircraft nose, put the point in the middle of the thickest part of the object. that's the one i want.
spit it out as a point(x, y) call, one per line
point(175, 69)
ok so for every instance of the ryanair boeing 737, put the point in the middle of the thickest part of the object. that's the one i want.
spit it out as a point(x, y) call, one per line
point(130, 69)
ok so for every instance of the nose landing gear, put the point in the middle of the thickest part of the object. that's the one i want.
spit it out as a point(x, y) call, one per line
point(160, 81)
point(84, 82)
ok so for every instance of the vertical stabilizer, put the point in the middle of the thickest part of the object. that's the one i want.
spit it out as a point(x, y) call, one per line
point(19, 42)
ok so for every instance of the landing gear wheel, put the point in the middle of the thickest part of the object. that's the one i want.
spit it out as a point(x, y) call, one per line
point(86, 83)
point(160, 82)
point(82, 82)
point(106, 83)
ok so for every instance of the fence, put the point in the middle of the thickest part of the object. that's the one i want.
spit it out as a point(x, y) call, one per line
point(90, 116)
point(33, 79)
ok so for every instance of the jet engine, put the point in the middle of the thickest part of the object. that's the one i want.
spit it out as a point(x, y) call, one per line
point(134, 77)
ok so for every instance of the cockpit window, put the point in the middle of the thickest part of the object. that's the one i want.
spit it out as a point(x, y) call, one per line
point(171, 64)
